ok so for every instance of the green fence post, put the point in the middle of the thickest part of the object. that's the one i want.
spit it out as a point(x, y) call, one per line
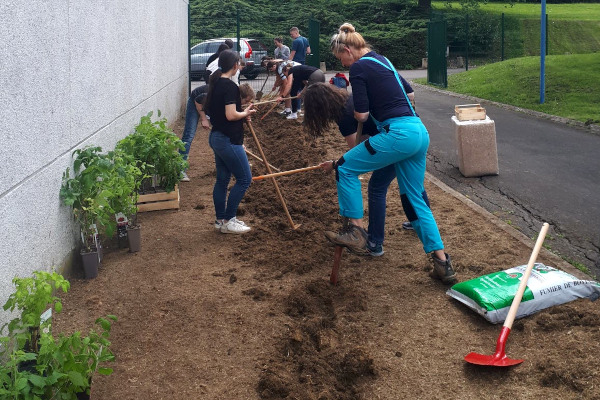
point(502, 45)
point(237, 22)
point(466, 42)
point(314, 28)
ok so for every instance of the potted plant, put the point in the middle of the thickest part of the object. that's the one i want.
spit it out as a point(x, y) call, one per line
point(157, 151)
point(125, 183)
point(89, 193)
point(38, 366)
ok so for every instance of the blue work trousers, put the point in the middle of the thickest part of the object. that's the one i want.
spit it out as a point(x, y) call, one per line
point(402, 142)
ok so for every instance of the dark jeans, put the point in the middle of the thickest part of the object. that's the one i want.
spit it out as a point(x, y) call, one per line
point(191, 124)
point(230, 159)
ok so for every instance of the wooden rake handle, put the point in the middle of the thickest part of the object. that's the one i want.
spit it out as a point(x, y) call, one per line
point(268, 167)
point(290, 172)
point(261, 160)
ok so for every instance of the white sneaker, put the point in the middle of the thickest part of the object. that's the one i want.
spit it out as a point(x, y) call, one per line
point(185, 177)
point(234, 226)
point(293, 115)
point(237, 221)
point(218, 224)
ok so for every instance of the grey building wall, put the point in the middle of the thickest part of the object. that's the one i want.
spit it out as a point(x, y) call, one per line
point(74, 73)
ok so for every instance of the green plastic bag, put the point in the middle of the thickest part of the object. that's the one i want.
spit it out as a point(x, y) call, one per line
point(491, 295)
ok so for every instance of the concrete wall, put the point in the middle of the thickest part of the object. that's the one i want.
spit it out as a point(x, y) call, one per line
point(74, 73)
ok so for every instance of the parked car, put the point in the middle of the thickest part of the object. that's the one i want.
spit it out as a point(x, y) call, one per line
point(251, 51)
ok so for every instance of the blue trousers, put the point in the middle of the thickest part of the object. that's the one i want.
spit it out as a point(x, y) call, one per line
point(403, 143)
point(191, 124)
point(378, 188)
point(230, 159)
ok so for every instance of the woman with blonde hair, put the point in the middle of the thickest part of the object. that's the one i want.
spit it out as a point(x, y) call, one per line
point(379, 93)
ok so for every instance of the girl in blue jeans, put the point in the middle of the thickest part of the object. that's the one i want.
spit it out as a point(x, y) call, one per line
point(223, 104)
point(402, 142)
point(325, 104)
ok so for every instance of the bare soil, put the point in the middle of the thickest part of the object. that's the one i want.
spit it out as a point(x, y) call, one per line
point(203, 315)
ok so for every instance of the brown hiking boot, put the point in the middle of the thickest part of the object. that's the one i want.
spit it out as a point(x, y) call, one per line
point(352, 237)
point(443, 270)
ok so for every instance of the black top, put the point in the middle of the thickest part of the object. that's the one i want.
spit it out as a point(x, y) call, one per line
point(226, 92)
point(376, 89)
point(199, 93)
point(348, 125)
point(302, 72)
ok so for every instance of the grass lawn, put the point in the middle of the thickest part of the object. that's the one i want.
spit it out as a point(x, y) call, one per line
point(575, 11)
point(572, 84)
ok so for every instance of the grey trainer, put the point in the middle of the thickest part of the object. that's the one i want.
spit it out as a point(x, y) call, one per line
point(350, 236)
point(443, 270)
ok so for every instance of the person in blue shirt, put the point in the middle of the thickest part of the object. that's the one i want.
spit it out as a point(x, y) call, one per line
point(403, 141)
point(326, 104)
point(300, 46)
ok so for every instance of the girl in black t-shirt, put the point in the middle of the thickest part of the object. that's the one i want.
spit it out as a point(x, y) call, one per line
point(223, 104)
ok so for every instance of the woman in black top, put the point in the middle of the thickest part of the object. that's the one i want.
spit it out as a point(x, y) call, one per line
point(223, 104)
point(298, 77)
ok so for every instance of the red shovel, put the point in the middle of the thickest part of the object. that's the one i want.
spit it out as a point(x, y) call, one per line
point(499, 358)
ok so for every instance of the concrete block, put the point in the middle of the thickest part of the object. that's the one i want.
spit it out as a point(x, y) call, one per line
point(476, 147)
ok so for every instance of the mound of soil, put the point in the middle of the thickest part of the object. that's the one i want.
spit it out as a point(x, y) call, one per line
point(204, 315)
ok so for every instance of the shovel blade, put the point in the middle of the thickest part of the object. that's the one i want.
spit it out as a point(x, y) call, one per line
point(259, 95)
point(496, 360)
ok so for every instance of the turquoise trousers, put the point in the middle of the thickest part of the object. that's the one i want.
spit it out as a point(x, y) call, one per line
point(403, 142)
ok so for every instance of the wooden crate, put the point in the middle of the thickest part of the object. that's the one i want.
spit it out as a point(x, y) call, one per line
point(469, 112)
point(159, 201)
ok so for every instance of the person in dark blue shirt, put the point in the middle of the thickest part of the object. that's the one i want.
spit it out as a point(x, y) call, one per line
point(300, 46)
point(325, 104)
point(403, 141)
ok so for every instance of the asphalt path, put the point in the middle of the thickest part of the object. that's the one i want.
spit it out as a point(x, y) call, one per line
point(549, 172)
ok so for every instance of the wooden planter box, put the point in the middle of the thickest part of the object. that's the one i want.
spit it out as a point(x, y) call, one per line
point(159, 201)
point(469, 112)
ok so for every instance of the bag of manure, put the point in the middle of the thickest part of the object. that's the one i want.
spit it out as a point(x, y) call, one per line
point(491, 295)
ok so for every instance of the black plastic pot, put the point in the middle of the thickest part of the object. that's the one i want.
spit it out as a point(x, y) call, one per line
point(134, 237)
point(91, 262)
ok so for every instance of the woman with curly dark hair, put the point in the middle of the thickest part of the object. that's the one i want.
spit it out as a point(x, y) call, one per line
point(325, 104)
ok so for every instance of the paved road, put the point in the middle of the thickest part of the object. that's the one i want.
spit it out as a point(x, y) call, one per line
point(548, 172)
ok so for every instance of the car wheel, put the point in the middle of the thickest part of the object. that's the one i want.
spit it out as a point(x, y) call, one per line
point(251, 75)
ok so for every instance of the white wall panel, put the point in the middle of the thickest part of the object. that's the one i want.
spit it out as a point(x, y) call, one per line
point(74, 73)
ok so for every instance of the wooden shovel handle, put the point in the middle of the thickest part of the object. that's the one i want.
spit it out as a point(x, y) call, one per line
point(290, 172)
point(359, 130)
point(512, 312)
